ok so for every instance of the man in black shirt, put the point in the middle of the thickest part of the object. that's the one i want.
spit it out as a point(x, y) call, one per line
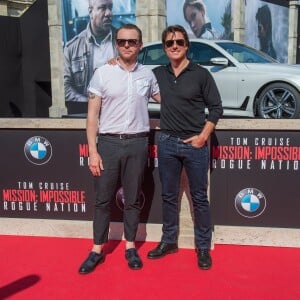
point(186, 90)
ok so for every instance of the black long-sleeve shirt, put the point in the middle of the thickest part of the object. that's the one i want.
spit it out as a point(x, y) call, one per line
point(184, 99)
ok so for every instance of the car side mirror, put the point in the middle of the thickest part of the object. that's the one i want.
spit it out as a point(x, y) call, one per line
point(222, 61)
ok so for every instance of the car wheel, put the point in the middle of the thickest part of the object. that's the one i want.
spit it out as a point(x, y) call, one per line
point(279, 101)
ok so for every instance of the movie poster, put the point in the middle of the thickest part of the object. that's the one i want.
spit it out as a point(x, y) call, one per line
point(298, 48)
point(88, 43)
point(266, 28)
point(208, 19)
point(75, 15)
point(255, 178)
point(50, 179)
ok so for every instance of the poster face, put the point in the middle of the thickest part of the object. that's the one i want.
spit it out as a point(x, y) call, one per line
point(266, 28)
point(209, 19)
point(89, 29)
point(76, 15)
point(255, 178)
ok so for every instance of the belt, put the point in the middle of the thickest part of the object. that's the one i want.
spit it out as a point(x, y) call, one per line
point(125, 136)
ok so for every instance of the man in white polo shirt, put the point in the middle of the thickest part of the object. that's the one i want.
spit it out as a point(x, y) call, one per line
point(118, 114)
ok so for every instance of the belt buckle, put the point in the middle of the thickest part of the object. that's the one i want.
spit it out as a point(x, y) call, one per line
point(123, 136)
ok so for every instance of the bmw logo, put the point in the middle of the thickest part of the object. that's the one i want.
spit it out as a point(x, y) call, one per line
point(120, 199)
point(250, 202)
point(38, 150)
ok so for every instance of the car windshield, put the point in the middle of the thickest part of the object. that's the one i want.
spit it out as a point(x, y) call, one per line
point(245, 54)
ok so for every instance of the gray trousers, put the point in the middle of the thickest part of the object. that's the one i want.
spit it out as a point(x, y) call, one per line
point(123, 159)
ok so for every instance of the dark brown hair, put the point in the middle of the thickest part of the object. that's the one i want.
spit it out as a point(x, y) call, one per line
point(173, 29)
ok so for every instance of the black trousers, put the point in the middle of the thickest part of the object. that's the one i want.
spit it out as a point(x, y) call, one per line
point(123, 159)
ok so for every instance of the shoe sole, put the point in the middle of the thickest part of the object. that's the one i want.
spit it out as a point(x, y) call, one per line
point(204, 267)
point(135, 268)
point(163, 255)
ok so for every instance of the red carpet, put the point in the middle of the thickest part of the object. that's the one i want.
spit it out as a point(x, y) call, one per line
point(46, 268)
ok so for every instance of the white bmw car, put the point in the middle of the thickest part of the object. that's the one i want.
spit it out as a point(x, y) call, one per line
point(251, 83)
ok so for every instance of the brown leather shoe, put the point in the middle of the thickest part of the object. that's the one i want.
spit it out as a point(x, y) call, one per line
point(162, 249)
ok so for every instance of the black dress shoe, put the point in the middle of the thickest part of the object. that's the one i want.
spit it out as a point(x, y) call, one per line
point(134, 261)
point(162, 249)
point(91, 262)
point(204, 259)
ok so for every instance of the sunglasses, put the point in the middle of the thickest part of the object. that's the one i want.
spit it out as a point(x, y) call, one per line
point(131, 42)
point(170, 43)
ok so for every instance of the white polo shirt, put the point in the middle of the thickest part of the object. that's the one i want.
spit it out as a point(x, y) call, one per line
point(125, 95)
